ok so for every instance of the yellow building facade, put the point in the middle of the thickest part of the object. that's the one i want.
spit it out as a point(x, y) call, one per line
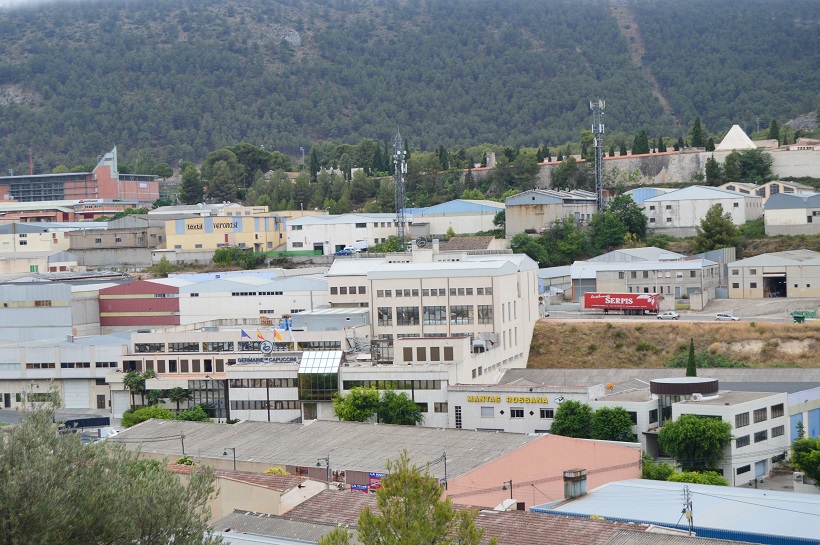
point(260, 233)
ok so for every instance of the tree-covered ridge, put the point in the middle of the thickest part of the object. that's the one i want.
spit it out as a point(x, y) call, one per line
point(185, 77)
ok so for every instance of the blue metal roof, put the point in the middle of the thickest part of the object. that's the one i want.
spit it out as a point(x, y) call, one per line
point(459, 206)
point(743, 514)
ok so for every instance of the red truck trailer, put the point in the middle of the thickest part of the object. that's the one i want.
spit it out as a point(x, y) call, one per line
point(628, 303)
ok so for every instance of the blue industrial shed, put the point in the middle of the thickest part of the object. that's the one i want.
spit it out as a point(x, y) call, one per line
point(742, 514)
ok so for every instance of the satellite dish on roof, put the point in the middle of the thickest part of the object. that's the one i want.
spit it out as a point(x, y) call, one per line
point(421, 242)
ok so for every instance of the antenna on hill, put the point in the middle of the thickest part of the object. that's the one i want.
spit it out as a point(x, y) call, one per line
point(399, 156)
point(597, 107)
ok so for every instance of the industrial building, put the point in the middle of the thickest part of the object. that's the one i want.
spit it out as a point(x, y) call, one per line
point(259, 233)
point(331, 233)
point(792, 214)
point(538, 210)
point(789, 274)
point(678, 213)
point(463, 216)
point(63, 211)
point(104, 182)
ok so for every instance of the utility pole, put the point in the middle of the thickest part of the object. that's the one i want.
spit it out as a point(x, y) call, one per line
point(687, 508)
point(400, 164)
point(597, 107)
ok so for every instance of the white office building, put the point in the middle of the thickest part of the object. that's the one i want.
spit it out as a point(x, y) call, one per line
point(329, 234)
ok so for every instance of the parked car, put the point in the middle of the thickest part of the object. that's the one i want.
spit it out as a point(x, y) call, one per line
point(668, 315)
point(720, 316)
point(344, 252)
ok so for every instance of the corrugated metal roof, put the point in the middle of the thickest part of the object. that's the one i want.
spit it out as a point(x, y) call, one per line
point(650, 537)
point(762, 512)
point(587, 269)
point(459, 206)
point(549, 196)
point(554, 272)
point(650, 253)
point(700, 192)
point(174, 282)
point(788, 201)
point(442, 269)
point(354, 267)
point(244, 527)
point(640, 194)
point(788, 257)
point(351, 445)
point(343, 219)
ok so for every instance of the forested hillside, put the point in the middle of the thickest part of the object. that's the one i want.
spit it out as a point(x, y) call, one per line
point(182, 78)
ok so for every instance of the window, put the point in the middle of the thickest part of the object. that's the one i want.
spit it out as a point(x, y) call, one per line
point(777, 410)
point(487, 412)
point(461, 314)
point(97, 240)
point(547, 413)
point(651, 220)
point(516, 412)
point(408, 353)
point(143, 348)
point(421, 353)
point(117, 239)
point(736, 205)
point(440, 407)
point(334, 290)
point(385, 315)
point(388, 293)
point(343, 290)
point(379, 293)
point(295, 227)
point(752, 271)
point(183, 347)
point(442, 292)
point(693, 274)
point(760, 415)
point(778, 431)
point(406, 293)
point(407, 315)
point(761, 436)
point(479, 291)
point(752, 284)
point(42, 303)
point(469, 291)
point(488, 291)
point(219, 346)
point(735, 285)
point(352, 290)
point(298, 245)
point(633, 274)
point(361, 226)
point(669, 207)
point(741, 420)
point(653, 416)
point(435, 353)
point(197, 246)
point(436, 315)
point(742, 441)
point(651, 206)
point(485, 314)
point(633, 416)
point(422, 407)
point(744, 469)
point(668, 220)
point(735, 272)
point(448, 353)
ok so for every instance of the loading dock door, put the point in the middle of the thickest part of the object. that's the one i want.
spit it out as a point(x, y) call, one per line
point(77, 394)
point(760, 468)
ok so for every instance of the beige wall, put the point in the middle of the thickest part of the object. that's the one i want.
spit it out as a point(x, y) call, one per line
point(34, 242)
point(519, 218)
point(801, 280)
point(261, 233)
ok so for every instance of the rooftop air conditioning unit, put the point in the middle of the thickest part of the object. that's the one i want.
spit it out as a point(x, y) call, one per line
point(697, 397)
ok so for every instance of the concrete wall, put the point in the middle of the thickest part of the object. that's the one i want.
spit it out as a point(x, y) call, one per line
point(792, 221)
point(115, 258)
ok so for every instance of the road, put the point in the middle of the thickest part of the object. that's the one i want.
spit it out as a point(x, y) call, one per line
point(592, 316)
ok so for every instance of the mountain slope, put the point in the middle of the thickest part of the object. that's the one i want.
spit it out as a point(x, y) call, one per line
point(184, 77)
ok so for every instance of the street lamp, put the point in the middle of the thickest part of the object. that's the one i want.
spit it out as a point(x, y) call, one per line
point(326, 460)
point(504, 487)
point(225, 453)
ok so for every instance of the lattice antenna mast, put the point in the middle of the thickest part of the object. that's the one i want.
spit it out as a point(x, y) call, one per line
point(400, 163)
point(597, 107)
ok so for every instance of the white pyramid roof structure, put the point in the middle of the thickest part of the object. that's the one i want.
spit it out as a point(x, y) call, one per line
point(735, 139)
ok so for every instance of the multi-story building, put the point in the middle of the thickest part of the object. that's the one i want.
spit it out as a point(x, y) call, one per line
point(678, 213)
point(538, 210)
point(329, 234)
point(104, 182)
point(260, 232)
point(759, 420)
point(63, 211)
point(768, 189)
point(33, 237)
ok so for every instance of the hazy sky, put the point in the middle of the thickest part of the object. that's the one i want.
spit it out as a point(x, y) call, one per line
point(30, 3)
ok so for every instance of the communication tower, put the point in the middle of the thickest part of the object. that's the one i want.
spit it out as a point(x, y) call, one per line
point(597, 107)
point(399, 162)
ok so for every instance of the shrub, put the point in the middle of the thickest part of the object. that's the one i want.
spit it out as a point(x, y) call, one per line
point(186, 461)
point(275, 471)
point(145, 413)
point(656, 471)
point(645, 347)
point(194, 414)
point(696, 477)
point(703, 359)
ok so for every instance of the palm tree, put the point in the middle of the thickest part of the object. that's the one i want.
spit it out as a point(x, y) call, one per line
point(135, 383)
point(155, 397)
point(178, 395)
point(148, 373)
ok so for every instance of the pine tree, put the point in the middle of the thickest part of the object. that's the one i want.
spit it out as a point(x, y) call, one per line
point(691, 369)
point(714, 172)
point(679, 145)
point(190, 190)
point(697, 136)
point(622, 151)
point(641, 144)
point(774, 131)
point(710, 144)
point(612, 150)
point(314, 164)
point(716, 230)
point(661, 145)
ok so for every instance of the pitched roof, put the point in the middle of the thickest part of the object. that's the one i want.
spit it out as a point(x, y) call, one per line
point(699, 192)
point(466, 243)
point(735, 139)
point(789, 201)
point(259, 524)
point(352, 445)
point(785, 258)
point(511, 527)
point(282, 483)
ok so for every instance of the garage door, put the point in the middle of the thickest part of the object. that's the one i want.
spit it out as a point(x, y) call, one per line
point(77, 394)
point(120, 402)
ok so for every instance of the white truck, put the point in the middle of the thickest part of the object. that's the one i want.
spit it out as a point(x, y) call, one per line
point(358, 246)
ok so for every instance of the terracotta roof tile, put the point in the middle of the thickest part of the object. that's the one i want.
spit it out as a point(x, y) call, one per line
point(511, 527)
point(282, 483)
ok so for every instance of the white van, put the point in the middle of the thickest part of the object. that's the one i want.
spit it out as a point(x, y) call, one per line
point(358, 246)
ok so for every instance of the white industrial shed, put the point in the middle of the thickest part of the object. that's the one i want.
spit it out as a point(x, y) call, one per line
point(793, 273)
point(679, 212)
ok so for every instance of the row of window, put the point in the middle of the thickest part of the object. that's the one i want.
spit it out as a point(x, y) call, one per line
point(393, 384)
point(517, 412)
point(435, 292)
point(753, 285)
point(263, 383)
point(263, 405)
point(344, 290)
point(658, 274)
point(760, 415)
point(435, 315)
point(435, 353)
point(437, 407)
point(207, 346)
point(760, 436)
point(250, 293)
